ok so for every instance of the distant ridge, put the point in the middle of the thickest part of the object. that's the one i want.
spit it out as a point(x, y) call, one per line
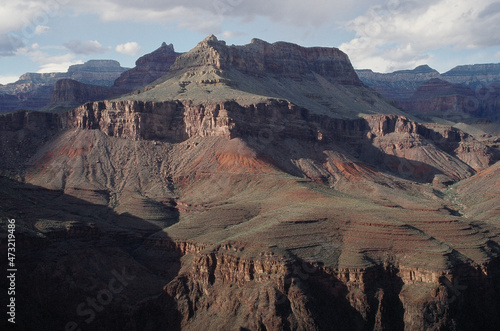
point(34, 90)
point(476, 91)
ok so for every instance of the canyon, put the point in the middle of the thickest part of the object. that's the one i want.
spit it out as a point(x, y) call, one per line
point(254, 187)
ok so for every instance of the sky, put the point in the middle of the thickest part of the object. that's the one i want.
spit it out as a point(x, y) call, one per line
point(51, 35)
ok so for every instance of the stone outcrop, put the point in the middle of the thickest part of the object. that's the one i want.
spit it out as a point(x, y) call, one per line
point(148, 68)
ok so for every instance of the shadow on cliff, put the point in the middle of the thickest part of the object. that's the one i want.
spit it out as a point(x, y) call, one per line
point(361, 152)
point(87, 270)
point(375, 305)
point(473, 296)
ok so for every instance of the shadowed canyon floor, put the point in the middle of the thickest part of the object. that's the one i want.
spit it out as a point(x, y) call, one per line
point(209, 205)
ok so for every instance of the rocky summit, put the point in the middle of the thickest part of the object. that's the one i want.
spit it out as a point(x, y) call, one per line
point(253, 187)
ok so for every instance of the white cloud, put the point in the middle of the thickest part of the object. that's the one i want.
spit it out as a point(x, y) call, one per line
point(57, 66)
point(130, 48)
point(208, 16)
point(9, 44)
point(41, 29)
point(400, 34)
point(6, 79)
point(231, 34)
point(46, 61)
point(86, 47)
point(391, 34)
point(25, 16)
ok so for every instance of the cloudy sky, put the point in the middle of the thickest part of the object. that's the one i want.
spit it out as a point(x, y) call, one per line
point(50, 35)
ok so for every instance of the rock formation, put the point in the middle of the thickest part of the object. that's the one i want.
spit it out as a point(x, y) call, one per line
point(148, 68)
point(235, 193)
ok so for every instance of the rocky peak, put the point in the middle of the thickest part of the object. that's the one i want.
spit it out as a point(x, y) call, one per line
point(166, 53)
point(260, 58)
point(148, 68)
point(212, 39)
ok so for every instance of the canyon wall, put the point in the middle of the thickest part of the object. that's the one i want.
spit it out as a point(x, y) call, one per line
point(272, 293)
point(177, 121)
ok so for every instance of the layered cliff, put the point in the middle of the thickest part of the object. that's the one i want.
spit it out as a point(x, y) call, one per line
point(269, 294)
point(475, 76)
point(393, 137)
point(261, 58)
point(96, 72)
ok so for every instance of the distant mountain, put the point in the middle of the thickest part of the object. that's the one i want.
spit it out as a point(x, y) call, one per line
point(34, 90)
point(398, 85)
point(475, 76)
point(454, 102)
point(424, 90)
point(96, 72)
